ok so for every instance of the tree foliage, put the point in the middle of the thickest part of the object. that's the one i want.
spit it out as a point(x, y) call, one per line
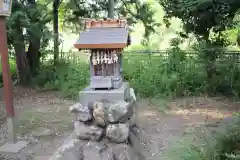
point(202, 16)
point(26, 32)
point(133, 10)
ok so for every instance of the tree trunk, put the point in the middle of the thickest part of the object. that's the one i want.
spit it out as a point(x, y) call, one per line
point(55, 30)
point(111, 9)
point(33, 55)
point(21, 61)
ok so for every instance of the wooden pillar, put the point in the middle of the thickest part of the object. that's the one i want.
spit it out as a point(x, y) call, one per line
point(7, 81)
point(103, 64)
point(91, 65)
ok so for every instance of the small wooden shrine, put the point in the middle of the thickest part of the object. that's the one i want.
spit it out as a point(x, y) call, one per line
point(106, 40)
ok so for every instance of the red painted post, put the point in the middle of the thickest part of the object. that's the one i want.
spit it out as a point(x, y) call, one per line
point(7, 80)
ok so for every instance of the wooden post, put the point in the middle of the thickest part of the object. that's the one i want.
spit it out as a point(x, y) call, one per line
point(1, 4)
point(111, 9)
point(7, 81)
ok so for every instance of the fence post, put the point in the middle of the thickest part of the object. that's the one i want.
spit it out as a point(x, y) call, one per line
point(150, 57)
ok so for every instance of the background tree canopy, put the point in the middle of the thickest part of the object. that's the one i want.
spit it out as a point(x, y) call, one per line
point(202, 16)
point(209, 68)
point(133, 10)
point(30, 30)
point(28, 26)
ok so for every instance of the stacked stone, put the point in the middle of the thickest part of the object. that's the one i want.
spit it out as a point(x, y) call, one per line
point(103, 130)
point(103, 119)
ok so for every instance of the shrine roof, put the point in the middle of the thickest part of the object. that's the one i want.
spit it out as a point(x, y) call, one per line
point(104, 34)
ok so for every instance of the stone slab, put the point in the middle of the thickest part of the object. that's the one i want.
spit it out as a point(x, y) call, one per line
point(91, 95)
point(100, 82)
point(11, 122)
point(13, 147)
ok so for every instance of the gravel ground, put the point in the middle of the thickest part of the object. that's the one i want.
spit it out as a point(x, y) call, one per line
point(42, 119)
point(186, 122)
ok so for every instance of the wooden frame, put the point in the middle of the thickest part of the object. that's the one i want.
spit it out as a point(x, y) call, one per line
point(109, 23)
point(5, 13)
point(105, 75)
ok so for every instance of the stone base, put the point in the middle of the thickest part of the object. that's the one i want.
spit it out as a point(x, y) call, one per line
point(89, 150)
point(13, 147)
point(108, 133)
point(91, 95)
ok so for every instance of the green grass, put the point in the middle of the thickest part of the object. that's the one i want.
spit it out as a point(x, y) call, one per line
point(223, 144)
point(31, 121)
point(183, 149)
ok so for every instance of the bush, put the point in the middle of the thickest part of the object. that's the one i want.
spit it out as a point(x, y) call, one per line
point(224, 144)
point(69, 76)
point(182, 74)
point(175, 74)
point(228, 144)
point(13, 70)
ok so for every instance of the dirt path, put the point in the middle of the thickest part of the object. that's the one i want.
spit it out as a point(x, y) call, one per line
point(186, 123)
point(44, 120)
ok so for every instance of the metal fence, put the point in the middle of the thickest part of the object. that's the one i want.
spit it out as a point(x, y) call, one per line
point(151, 55)
point(232, 55)
point(162, 52)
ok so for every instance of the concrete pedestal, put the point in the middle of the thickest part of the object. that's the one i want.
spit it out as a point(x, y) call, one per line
point(91, 95)
point(13, 147)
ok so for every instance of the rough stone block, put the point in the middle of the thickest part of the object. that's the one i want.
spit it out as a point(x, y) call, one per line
point(124, 152)
point(135, 141)
point(119, 111)
point(99, 113)
point(82, 113)
point(97, 147)
point(90, 154)
point(88, 132)
point(117, 132)
point(107, 155)
point(72, 153)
